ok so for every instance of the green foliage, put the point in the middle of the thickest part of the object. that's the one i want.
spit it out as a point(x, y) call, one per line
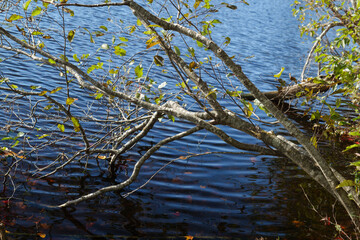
point(338, 57)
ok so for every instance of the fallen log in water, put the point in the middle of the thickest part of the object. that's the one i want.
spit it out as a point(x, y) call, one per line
point(297, 90)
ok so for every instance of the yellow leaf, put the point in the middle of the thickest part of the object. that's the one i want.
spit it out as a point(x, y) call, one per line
point(193, 65)
point(56, 90)
point(152, 44)
point(42, 93)
point(279, 74)
point(197, 3)
point(189, 237)
point(101, 157)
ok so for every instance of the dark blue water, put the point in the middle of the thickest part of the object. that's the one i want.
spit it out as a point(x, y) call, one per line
point(212, 196)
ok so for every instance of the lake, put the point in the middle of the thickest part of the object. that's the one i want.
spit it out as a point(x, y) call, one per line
point(217, 196)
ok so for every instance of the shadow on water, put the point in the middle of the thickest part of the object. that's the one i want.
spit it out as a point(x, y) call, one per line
point(210, 197)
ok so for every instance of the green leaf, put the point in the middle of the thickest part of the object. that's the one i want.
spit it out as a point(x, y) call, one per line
point(313, 140)
point(139, 71)
point(36, 11)
point(171, 117)
point(70, 100)
point(76, 58)
point(119, 51)
point(14, 17)
point(37, 33)
point(138, 22)
point(26, 4)
point(227, 41)
point(124, 39)
point(71, 35)
point(56, 90)
point(177, 50)
point(104, 28)
point(216, 21)
point(61, 127)
point(43, 136)
point(91, 37)
point(99, 95)
point(15, 144)
point(356, 164)
point(76, 124)
point(149, 32)
point(351, 147)
point(346, 183)
point(354, 133)
point(279, 74)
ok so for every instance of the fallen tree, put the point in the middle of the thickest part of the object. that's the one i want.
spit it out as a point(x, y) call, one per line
point(298, 90)
point(137, 102)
